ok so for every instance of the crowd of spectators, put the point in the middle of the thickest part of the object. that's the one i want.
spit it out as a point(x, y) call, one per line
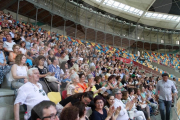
point(96, 86)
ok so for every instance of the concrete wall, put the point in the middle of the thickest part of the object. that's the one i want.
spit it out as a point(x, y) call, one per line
point(167, 69)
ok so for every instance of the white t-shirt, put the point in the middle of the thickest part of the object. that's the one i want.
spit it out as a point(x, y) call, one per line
point(123, 115)
point(23, 39)
point(21, 71)
point(30, 95)
point(8, 45)
point(23, 50)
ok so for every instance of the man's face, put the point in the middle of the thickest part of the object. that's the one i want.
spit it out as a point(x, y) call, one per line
point(50, 113)
point(56, 61)
point(8, 38)
point(13, 30)
point(91, 80)
point(35, 75)
point(119, 95)
point(165, 78)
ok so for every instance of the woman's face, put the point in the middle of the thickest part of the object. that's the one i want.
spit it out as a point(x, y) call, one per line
point(41, 62)
point(119, 79)
point(23, 60)
point(111, 100)
point(132, 93)
point(76, 79)
point(82, 78)
point(99, 80)
point(23, 44)
point(66, 65)
point(103, 78)
point(99, 104)
point(111, 80)
point(16, 49)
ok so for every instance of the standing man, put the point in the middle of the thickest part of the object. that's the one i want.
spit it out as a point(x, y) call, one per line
point(165, 87)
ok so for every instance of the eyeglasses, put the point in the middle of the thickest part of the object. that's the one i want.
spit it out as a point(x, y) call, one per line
point(52, 117)
point(86, 102)
point(99, 103)
point(118, 93)
point(42, 91)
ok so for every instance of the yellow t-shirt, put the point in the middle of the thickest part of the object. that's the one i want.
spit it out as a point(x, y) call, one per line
point(93, 89)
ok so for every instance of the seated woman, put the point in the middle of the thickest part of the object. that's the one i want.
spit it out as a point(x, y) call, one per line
point(65, 72)
point(74, 88)
point(120, 85)
point(82, 83)
point(17, 38)
point(139, 115)
point(39, 63)
point(19, 72)
point(97, 79)
point(3, 69)
point(23, 47)
point(85, 97)
point(110, 83)
point(13, 54)
point(34, 50)
point(100, 112)
point(50, 56)
point(142, 103)
point(82, 110)
point(109, 102)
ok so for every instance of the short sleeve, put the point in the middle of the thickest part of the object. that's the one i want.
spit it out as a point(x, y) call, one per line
point(21, 97)
point(5, 45)
point(62, 72)
point(69, 90)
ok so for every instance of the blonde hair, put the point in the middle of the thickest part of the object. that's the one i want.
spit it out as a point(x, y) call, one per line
point(75, 67)
point(19, 58)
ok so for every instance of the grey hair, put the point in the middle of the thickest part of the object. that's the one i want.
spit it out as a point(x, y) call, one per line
point(30, 71)
point(89, 76)
point(73, 76)
point(115, 91)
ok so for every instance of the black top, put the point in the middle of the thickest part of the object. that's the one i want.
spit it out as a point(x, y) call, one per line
point(42, 72)
point(50, 58)
point(17, 41)
point(98, 86)
point(69, 99)
point(98, 116)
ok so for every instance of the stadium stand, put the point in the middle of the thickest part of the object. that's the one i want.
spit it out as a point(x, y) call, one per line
point(69, 72)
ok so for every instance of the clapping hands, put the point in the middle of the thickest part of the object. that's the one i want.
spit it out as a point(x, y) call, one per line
point(113, 113)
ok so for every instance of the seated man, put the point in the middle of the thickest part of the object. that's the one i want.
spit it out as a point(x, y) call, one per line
point(123, 114)
point(45, 109)
point(30, 93)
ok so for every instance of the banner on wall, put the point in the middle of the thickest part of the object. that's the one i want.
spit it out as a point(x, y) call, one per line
point(124, 60)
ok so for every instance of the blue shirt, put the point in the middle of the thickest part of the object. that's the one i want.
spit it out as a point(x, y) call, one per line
point(1, 57)
point(56, 70)
point(28, 45)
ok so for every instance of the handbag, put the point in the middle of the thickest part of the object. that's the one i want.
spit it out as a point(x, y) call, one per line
point(51, 78)
point(54, 96)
